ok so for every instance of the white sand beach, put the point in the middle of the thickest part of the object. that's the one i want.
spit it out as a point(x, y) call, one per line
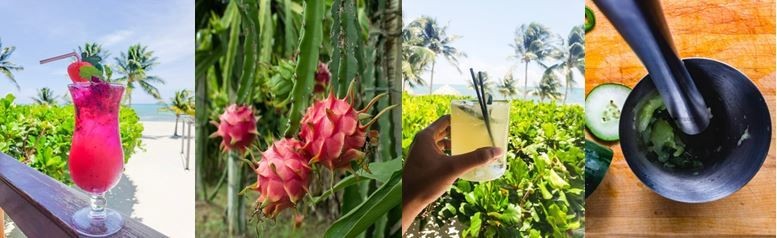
point(155, 188)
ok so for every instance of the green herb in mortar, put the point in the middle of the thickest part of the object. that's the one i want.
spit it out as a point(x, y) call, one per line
point(661, 139)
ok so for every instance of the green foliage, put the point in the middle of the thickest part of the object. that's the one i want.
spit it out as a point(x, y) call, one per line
point(40, 135)
point(282, 79)
point(420, 111)
point(541, 194)
point(310, 42)
point(264, 53)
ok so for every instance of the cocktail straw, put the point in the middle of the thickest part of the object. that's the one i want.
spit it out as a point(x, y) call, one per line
point(477, 92)
point(486, 115)
point(475, 86)
point(480, 94)
point(55, 58)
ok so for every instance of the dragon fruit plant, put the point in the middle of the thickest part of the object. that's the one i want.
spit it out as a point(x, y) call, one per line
point(283, 176)
point(322, 77)
point(332, 132)
point(331, 136)
point(237, 128)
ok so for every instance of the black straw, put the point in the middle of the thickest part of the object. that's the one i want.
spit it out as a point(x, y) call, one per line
point(480, 93)
point(475, 85)
point(486, 115)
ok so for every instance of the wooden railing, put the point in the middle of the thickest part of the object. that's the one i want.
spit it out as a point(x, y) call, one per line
point(41, 206)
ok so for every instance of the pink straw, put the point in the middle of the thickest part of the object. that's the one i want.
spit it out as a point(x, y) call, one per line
point(55, 58)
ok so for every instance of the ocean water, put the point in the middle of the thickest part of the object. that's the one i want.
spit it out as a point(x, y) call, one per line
point(576, 95)
point(152, 112)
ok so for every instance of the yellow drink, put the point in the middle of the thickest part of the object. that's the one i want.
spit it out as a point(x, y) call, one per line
point(468, 133)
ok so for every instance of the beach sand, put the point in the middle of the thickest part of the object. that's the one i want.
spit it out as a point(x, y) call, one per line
point(155, 188)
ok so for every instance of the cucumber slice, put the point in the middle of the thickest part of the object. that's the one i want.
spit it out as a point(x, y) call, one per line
point(603, 110)
point(597, 161)
point(590, 20)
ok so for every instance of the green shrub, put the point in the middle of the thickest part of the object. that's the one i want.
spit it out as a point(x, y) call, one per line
point(540, 195)
point(40, 135)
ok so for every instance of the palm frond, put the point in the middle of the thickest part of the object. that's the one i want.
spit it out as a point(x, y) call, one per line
point(150, 89)
point(134, 65)
point(7, 67)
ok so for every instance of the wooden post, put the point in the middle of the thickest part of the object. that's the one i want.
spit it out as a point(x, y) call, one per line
point(2, 224)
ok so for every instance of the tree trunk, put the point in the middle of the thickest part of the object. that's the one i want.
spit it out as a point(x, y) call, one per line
point(394, 73)
point(128, 90)
point(569, 81)
point(526, 80)
point(235, 218)
point(176, 124)
point(431, 78)
point(201, 134)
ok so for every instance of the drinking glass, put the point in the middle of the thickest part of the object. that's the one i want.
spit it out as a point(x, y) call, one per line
point(469, 132)
point(96, 157)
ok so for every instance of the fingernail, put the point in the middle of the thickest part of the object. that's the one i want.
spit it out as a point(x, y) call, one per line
point(496, 151)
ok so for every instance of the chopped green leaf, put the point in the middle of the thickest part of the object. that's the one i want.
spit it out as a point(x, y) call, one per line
point(88, 72)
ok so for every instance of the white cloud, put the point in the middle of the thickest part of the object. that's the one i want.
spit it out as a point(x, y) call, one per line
point(115, 37)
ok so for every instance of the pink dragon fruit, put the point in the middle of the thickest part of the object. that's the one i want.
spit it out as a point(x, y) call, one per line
point(332, 132)
point(322, 77)
point(283, 176)
point(237, 128)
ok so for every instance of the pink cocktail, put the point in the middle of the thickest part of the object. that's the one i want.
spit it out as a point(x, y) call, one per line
point(96, 156)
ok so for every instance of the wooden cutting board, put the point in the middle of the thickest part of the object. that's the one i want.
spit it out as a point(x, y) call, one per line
point(740, 33)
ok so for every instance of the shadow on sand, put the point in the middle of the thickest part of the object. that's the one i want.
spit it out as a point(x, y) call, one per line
point(122, 197)
point(147, 137)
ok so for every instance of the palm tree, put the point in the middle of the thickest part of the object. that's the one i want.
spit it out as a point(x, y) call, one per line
point(134, 66)
point(548, 86)
point(426, 33)
point(507, 86)
point(66, 99)
point(93, 49)
point(45, 97)
point(488, 84)
point(181, 104)
point(415, 59)
point(572, 58)
point(534, 43)
point(6, 66)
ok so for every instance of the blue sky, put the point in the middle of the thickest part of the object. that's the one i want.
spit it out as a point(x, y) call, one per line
point(41, 29)
point(487, 28)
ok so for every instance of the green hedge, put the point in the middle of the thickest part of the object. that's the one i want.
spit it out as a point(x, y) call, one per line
point(541, 194)
point(40, 135)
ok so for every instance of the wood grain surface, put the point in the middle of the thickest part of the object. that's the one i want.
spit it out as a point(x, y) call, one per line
point(42, 207)
point(740, 33)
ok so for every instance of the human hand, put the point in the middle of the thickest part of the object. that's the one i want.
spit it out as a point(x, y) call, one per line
point(429, 173)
